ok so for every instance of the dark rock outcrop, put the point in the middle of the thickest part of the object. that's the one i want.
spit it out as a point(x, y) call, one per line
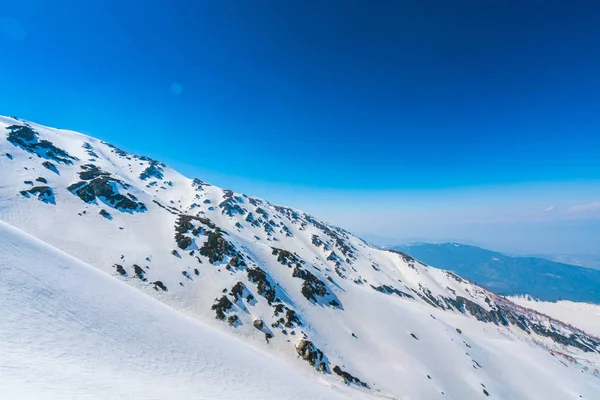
point(311, 354)
point(120, 269)
point(44, 194)
point(105, 214)
point(386, 289)
point(348, 378)
point(259, 277)
point(221, 307)
point(312, 286)
point(237, 291)
point(139, 272)
point(216, 247)
point(49, 166)
point(153, 170)
point(258, 324)
point(27, 139)
point(97, 184)
point(285, 257)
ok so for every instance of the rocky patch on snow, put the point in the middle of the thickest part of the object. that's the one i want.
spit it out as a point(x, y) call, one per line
point(27, 139)
point(45, 194)
point(98, 185)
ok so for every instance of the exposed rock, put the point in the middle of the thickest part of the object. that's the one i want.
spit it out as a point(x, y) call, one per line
point(199, 184)
point(236, 261)
point(139, 272)
point(154, 170)
point(48, 165)
point(120, 269)
point(310, 353)
point(348, 378)
point(386, 289)
point(410, 261)
point(27, 139)
point(231, 208)
point(89, 150)
point(337, 234)
point(237, 291)
point(216, 247)
point(265, 289)
point(160, 285)
point(172, 210)
point(221, 306)
point(292, 318)
point(186, 224)
point(312, 286)
point(43, 194)
point(232, 319)
point(258, 324)
point(285, 257)
point(98, 184)
point(105, 214)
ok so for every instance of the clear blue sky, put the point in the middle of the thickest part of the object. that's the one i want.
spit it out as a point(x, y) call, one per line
point(308, 101)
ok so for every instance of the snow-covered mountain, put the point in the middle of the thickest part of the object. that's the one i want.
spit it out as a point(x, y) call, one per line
point(71, 332)
point(308, 298)
point(585, 316)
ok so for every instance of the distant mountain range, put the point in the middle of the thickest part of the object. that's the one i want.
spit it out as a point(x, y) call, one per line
point(538, 277)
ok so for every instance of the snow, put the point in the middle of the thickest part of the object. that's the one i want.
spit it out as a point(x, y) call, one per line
point(69, 331)
point(585, 316)
point(76, 328)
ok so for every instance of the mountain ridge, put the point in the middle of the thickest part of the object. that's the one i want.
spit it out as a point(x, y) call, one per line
point(538, 277)
point(277, 277)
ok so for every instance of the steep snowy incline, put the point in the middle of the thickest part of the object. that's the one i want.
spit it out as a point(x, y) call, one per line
point(585, 316)
point(70, 332)
point(309, 294)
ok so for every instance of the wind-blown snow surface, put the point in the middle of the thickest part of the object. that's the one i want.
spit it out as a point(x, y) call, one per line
point(312, 296)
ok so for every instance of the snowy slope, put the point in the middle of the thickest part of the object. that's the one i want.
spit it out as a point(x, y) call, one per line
point(69, 331)
point(582, 315)
point(311, 295)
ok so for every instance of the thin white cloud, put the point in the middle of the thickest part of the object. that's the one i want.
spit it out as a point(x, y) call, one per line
point(585, 208)
point(550, 209)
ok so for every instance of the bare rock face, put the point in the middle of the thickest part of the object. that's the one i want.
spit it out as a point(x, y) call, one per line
point(258, 324)
point(265, 289)
point(310, 353)
point(44, 194)
point(216, 247)
point(312, 287)
point(348, 378)
point(232, 319)
point(221, 307)
point(27, 139)
point(97, 184)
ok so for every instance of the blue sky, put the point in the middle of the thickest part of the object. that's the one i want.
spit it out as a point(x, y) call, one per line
point(407, 119)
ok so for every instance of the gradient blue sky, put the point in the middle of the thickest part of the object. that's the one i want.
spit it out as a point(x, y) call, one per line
point(469, 120)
